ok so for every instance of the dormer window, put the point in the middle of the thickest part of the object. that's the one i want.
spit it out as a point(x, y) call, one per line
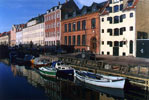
point(74, 13)
point(110, 1)
point(84, 11)
point(94, 8)
point(109, 9)
point(66, 16)
point(55, 8)
point(130, 3)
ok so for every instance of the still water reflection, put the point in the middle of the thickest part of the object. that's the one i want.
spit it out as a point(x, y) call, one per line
point(25, 83)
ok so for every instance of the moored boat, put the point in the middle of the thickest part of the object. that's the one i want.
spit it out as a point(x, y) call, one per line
point(47, 71)
point(37, 62)
point(62, 68)
point(100, 80)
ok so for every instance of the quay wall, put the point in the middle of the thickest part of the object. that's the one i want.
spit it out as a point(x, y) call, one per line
point(4, 51)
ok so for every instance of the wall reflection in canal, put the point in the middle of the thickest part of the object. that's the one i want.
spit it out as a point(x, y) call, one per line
point(64, 89)
point(59, 89)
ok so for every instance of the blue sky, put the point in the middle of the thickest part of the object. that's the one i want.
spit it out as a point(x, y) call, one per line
point(20, 11)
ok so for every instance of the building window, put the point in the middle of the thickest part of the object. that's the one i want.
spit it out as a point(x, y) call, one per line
point(116, 19)
point(102, 30)
point(102, 19)
point(83, 40)
point(74, 26)
point(69, 43)
point(109, 43)
point(83, 24)
point(108, 53)
point(93, 23)
point(124, 54)
point(109, 19)
point(131, 47)
point(109, 31)
point(102, 42)
point(122, 30)
point(78, 40)
point(102, 53)
point(121, 44)
point(65, 40)
point(69, 27)
point(131, 28)
point(122, 17)
point(78, 26)
point(121, 7)
point(74, 40)
point(116, 8)
point(131, 15)
point(116, 43)
point(116, 32)
point(65, 27)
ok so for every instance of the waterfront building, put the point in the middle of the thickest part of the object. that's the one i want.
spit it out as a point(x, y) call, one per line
point(13, 36)
point(5, 38)
point(81, 28)
point(19, 34)
point(53, 21)
point(34, 31)
point(142, 29)
point(119, 27)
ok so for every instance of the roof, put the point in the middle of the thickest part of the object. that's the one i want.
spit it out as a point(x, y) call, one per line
point(4, 33)
point(39, 18)
point(95, 7)
point(130, 4)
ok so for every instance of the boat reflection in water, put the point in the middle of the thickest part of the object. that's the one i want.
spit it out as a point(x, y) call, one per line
point(64, 89)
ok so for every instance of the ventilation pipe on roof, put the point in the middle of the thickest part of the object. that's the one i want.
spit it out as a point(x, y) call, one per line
point(59, 3)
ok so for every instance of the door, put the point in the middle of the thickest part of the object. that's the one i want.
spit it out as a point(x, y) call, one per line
point(115, 51)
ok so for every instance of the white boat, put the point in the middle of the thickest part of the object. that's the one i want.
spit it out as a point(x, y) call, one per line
point(100, 80)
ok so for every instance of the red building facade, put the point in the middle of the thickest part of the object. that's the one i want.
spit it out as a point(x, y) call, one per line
point(82, 29)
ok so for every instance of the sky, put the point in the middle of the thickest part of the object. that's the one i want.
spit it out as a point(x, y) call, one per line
point(20, 11)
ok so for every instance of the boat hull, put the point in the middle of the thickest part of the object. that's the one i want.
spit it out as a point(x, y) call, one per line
point(66, 72)
point(48, 73)
point(111, 84)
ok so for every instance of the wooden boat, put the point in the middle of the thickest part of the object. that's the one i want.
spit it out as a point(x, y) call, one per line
point(47, 71)
point(100, 80)
point(62, 68)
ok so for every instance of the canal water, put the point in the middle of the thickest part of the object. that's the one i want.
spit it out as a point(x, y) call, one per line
point(25, 83)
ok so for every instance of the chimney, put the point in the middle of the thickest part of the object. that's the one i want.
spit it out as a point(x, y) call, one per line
point(59, 3)
point(67, 1)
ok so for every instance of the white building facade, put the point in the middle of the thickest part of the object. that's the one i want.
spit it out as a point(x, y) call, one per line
point(19, 37)
point(117, 32)
point(19, 34)
point(34, 32)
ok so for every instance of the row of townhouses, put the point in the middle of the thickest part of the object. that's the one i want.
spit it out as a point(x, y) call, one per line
point(113, 27)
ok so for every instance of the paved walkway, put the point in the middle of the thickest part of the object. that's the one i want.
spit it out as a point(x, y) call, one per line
point(122, 60)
